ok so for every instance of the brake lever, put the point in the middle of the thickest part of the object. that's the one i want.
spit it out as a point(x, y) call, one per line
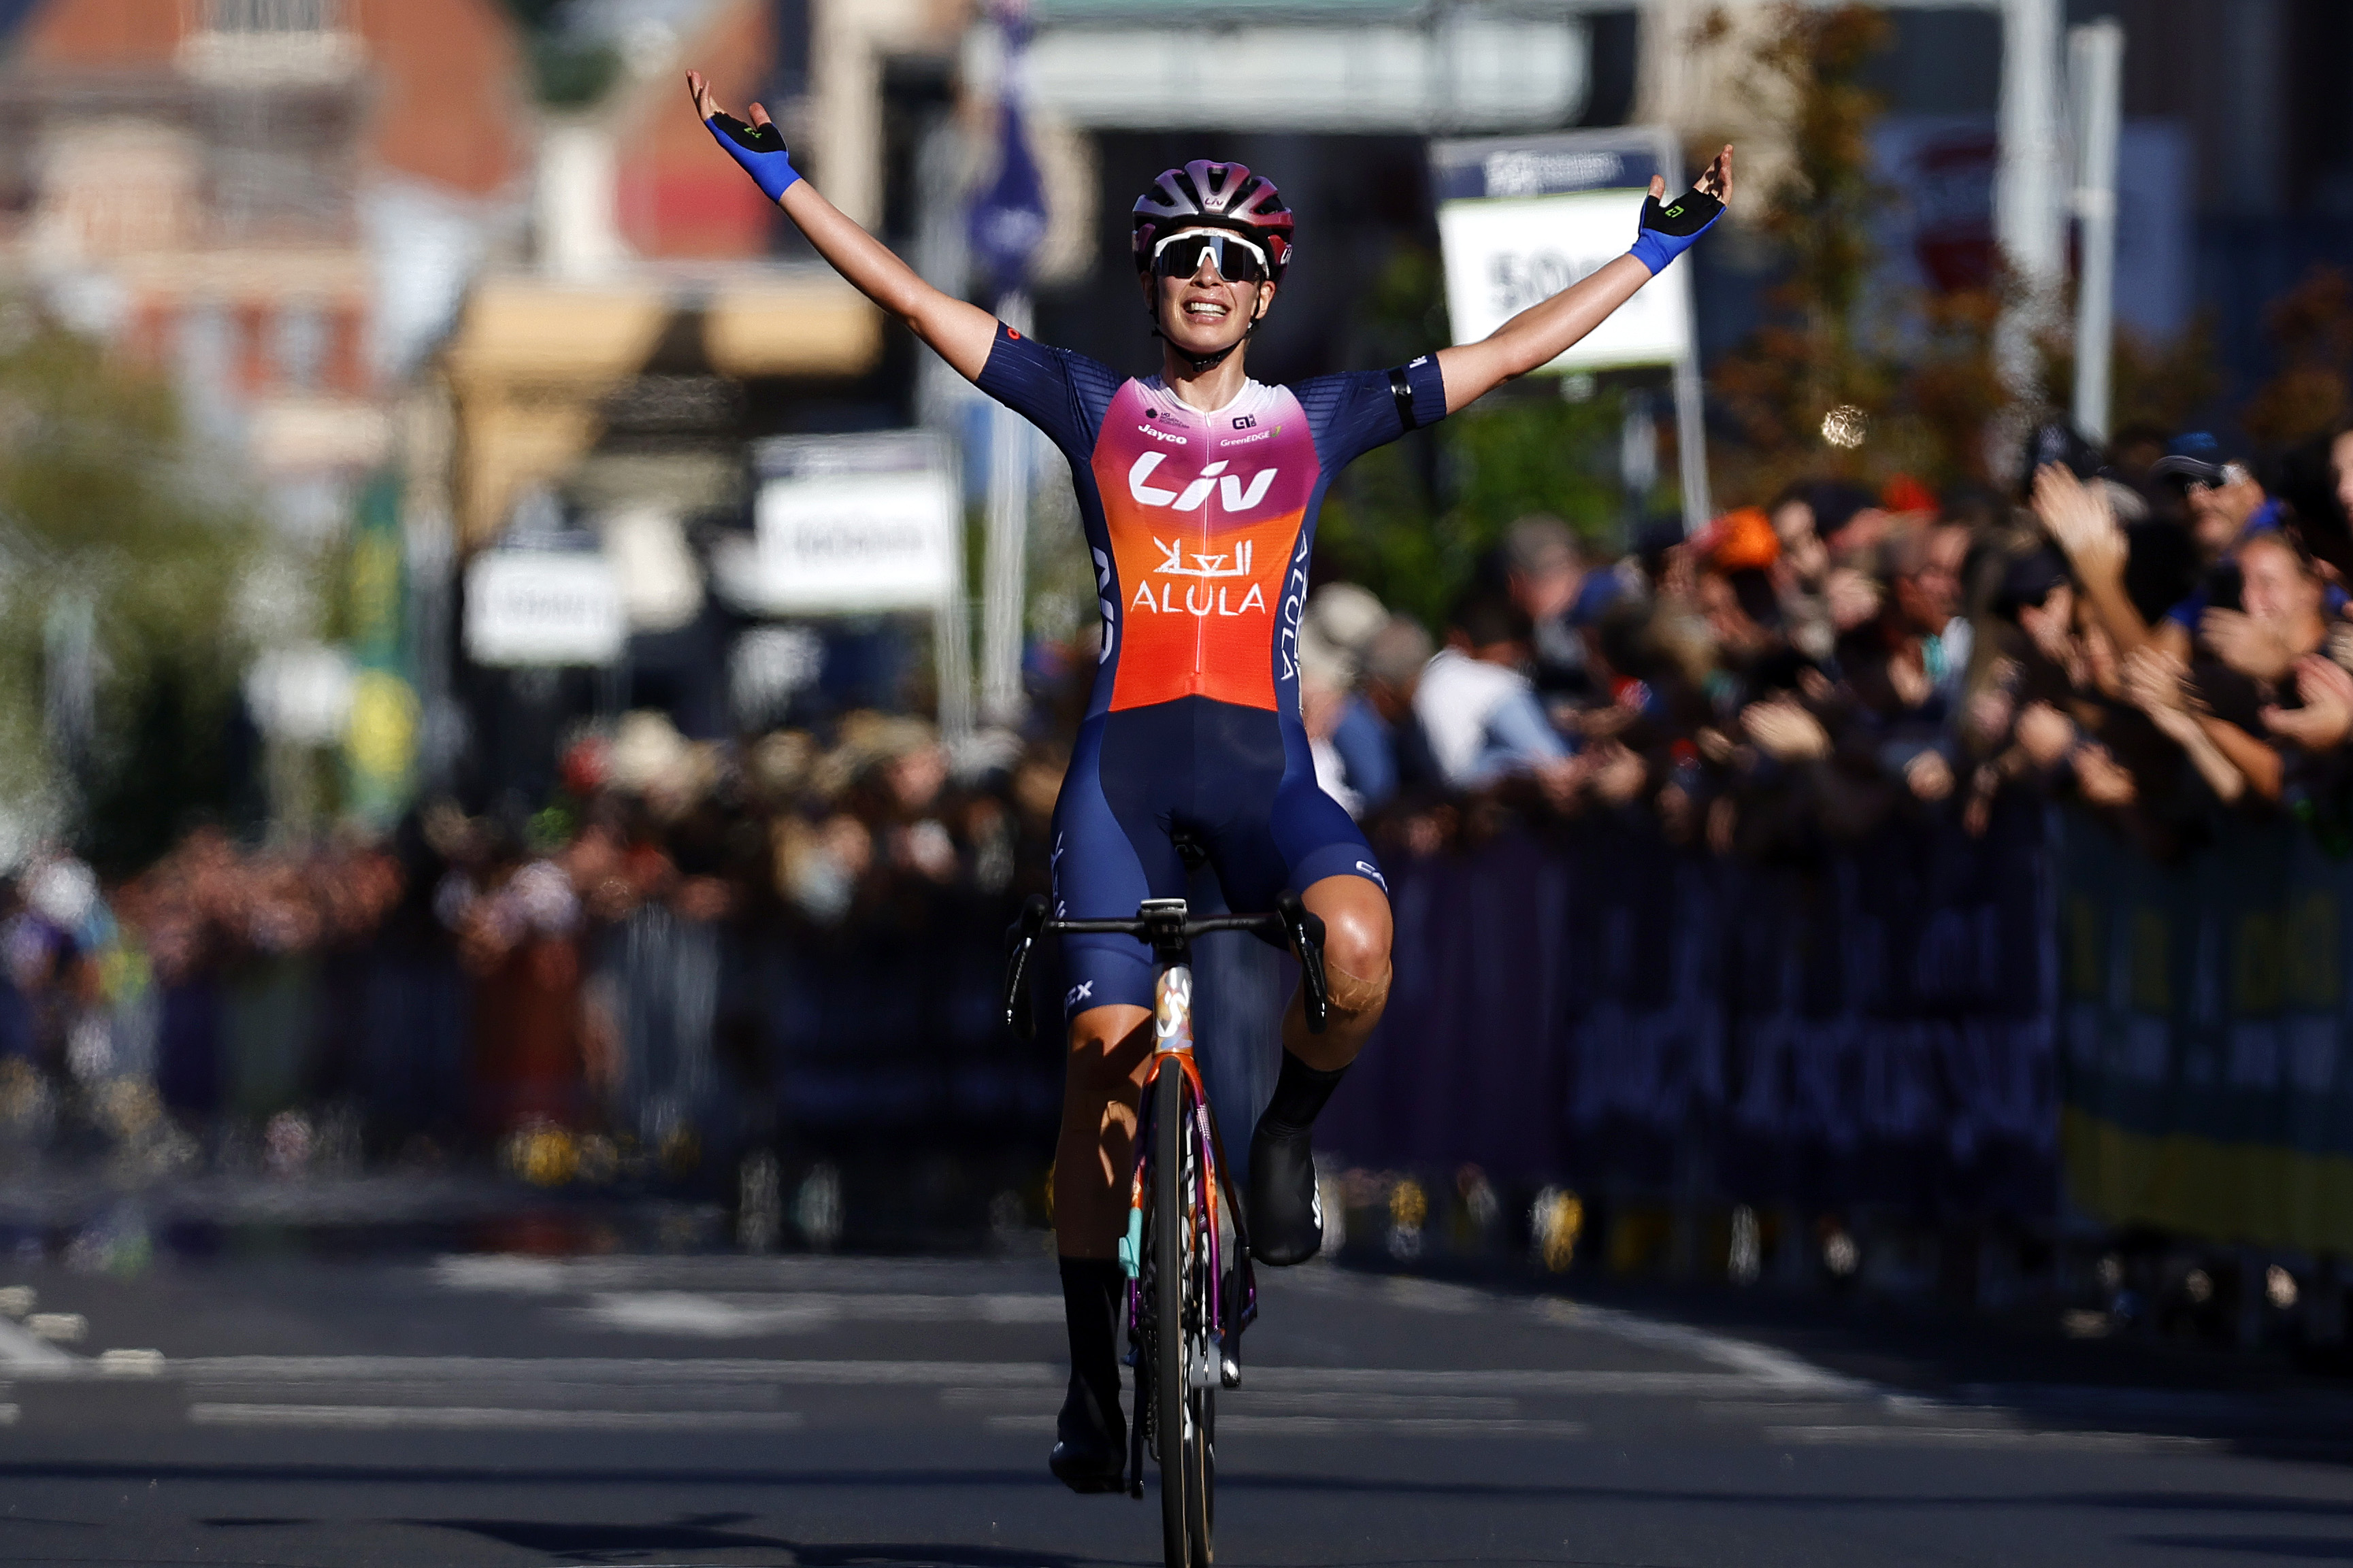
point(1304, 927)
point(1021, 938)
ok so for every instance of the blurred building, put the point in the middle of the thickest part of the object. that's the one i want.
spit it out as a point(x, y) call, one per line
point(277, 199)
point(277, 204)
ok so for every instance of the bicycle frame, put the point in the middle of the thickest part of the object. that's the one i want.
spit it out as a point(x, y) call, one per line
point(1187, 1248)
point(1172, 1050)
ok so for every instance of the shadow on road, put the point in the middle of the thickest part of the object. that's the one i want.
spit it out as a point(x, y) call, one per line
point(2258, 1545)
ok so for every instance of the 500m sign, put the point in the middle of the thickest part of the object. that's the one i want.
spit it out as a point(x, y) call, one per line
point(1504, 255)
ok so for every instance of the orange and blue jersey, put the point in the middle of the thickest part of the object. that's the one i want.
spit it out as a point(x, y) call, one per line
point(1200, 526)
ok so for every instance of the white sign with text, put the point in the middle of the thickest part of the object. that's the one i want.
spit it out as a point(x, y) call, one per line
point(855, 541)
point(541, 607)
point(1506, 254)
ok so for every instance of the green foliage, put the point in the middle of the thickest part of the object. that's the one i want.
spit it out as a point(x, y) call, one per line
point(567, 72)
point(1410, 520)
point(98, 506)
point(1918, 368)
point(569, 75)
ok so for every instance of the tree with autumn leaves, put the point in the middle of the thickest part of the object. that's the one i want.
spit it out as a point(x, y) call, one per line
point(1846, 377)
point(1913, 372)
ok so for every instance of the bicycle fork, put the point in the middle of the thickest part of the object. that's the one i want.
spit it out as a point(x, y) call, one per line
point(1172, 1023)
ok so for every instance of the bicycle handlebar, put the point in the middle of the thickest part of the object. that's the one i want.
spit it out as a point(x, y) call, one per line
point(1301, 928)
point(1143, 930)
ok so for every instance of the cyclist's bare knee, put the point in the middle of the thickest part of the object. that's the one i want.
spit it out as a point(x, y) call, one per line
point(1109, 1047)
point(1356, 933)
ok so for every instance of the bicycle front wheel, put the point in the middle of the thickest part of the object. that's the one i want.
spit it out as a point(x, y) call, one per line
point(1172, 1384)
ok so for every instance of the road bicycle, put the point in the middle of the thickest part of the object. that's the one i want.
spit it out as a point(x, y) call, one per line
point(1191, 1289)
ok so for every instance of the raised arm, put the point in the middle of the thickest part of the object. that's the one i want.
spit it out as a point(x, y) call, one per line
point(958, 332)
point(1545, 331)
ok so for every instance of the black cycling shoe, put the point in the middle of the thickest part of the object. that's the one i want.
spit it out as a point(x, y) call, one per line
point(1286, 1216)
point(1090, 1443)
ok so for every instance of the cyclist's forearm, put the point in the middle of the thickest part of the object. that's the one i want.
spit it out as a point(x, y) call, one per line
point(1539, 334)
point(958, 332)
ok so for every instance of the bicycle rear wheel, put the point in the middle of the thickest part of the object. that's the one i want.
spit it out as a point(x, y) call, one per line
point(1200, 1359)
point(1171, 1399)
point(1201, 1476)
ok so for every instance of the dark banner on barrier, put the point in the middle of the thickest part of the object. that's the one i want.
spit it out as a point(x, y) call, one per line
point(2204, 1019)
point(1598, 1007)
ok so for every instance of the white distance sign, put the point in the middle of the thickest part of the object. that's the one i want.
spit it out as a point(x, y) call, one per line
point(847, 525)
point(855, 541)
point(1506, 254)
point(539, 607)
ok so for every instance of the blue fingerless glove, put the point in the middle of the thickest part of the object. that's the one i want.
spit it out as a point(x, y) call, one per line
point(1668, 231)
point(760, 149)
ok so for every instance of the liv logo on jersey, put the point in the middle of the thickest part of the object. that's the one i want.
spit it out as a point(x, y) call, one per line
point(1230, 490)
point(1202, 539)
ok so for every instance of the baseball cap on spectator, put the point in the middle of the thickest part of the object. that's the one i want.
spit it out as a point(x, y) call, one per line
point(2054, 442)
point(2028, 580)
point(1599, 591)
point(1655, 541)
point(1342, 617)
point(2198, 458)
point(1324, 667)
point(1539, 544)
point(1905, 493)
point(1396, 652)
point(1740, 540)
point(1836, 504)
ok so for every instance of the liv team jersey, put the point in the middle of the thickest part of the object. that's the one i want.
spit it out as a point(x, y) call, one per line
point(1200, 526)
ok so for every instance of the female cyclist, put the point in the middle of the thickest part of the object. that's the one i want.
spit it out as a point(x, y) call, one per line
point(1198, 488)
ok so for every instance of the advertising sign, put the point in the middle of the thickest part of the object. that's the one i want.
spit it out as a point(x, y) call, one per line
point(1521, 219)
point(847, 524)
point(540, 607)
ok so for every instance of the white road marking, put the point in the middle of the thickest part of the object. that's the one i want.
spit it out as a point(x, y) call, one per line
point(631, 1370)
point(8, 1414)
point(1434, 1406)
point(500, 1393)
point(1500, 1380)
point(378, 1417)
point(1982, 1437)
point(1342, 1426)
point(1393, 1426)
point(872, 1276)
point(741, 1314)
point(1256, 1377)
point(1762, 1363)
point(20, 1351)
point(59, 1328)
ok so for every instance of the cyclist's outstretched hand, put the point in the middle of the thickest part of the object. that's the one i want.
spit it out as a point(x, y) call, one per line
point(1549, 328)
point(958, 332)
point(756, 143)
point(1666, 232)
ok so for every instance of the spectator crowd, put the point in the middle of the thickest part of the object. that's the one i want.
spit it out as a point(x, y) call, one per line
point(694, 938)
point(2153, 631)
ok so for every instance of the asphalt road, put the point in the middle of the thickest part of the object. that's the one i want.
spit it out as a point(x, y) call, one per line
point(491, 1410)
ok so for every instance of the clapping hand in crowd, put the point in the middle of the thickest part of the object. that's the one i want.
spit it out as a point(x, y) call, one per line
point(2324, 720)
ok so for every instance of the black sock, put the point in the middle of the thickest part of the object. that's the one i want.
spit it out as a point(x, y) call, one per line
point(1094, 1292)
point(1300, 1091)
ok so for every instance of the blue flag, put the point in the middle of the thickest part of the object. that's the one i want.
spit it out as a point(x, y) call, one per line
point(1008, 218)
